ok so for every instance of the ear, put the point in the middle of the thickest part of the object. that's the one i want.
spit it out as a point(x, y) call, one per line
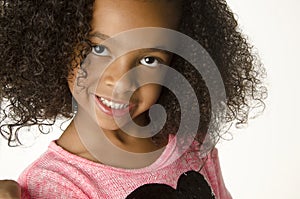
point(150, 191)
point(193, 183)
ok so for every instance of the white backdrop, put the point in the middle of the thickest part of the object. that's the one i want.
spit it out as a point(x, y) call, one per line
point(262, 160)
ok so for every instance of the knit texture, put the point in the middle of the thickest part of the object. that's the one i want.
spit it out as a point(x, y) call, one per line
point(60, 174)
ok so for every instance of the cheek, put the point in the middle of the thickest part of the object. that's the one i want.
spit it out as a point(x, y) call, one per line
point(150, 93)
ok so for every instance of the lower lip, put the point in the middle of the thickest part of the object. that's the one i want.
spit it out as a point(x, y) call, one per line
point(112, 112)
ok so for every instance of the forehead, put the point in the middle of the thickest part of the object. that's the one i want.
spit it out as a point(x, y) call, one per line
point(111, 17)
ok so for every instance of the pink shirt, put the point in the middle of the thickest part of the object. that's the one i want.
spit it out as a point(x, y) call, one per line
point(60, 174)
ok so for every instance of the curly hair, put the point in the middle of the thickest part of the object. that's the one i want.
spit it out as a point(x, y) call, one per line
point(37, 43)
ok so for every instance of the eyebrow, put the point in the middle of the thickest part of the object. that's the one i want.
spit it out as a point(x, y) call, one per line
point(99, 35)
point(154, 49)
point(143, 50)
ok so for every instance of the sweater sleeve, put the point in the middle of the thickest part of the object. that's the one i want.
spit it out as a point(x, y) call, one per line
point(212, 171)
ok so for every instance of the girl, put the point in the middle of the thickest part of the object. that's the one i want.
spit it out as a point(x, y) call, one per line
point(56, 51)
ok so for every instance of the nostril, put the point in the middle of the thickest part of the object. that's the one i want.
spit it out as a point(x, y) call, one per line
point(109, 81)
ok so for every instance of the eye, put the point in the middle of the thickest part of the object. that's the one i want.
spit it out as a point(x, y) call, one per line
point(100, 50)
point(150, 61)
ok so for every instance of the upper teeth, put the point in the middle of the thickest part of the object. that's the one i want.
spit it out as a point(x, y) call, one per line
point(113, 105)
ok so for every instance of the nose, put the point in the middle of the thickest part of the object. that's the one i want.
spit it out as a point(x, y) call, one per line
point(114, 77)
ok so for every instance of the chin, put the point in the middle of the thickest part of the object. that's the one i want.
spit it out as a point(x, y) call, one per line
point(110, 125)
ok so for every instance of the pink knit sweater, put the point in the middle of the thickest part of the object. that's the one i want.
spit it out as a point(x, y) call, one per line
point(60, 174)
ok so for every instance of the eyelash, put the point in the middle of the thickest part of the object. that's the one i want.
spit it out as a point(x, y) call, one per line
point(157, 60)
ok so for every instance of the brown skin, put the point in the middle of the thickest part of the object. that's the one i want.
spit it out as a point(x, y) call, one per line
point(9, 189)
point(124, 15)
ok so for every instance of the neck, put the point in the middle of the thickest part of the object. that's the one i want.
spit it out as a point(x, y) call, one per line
point(111, 147)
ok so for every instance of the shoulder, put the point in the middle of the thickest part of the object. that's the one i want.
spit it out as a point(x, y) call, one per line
point(49, 176)
point(212, 171)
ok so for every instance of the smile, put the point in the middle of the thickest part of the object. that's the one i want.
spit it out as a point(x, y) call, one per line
point(113, 108)
point(112, 104)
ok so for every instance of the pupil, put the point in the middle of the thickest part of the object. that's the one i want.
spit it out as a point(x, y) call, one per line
point(99, 49)
point(149, 60)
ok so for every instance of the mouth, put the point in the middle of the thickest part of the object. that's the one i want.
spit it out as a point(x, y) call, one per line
point(112, 107)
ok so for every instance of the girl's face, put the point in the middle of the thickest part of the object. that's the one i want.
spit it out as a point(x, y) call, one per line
point(105, 69)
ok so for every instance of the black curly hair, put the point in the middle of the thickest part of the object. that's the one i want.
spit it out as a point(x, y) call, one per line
point(37, 42)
